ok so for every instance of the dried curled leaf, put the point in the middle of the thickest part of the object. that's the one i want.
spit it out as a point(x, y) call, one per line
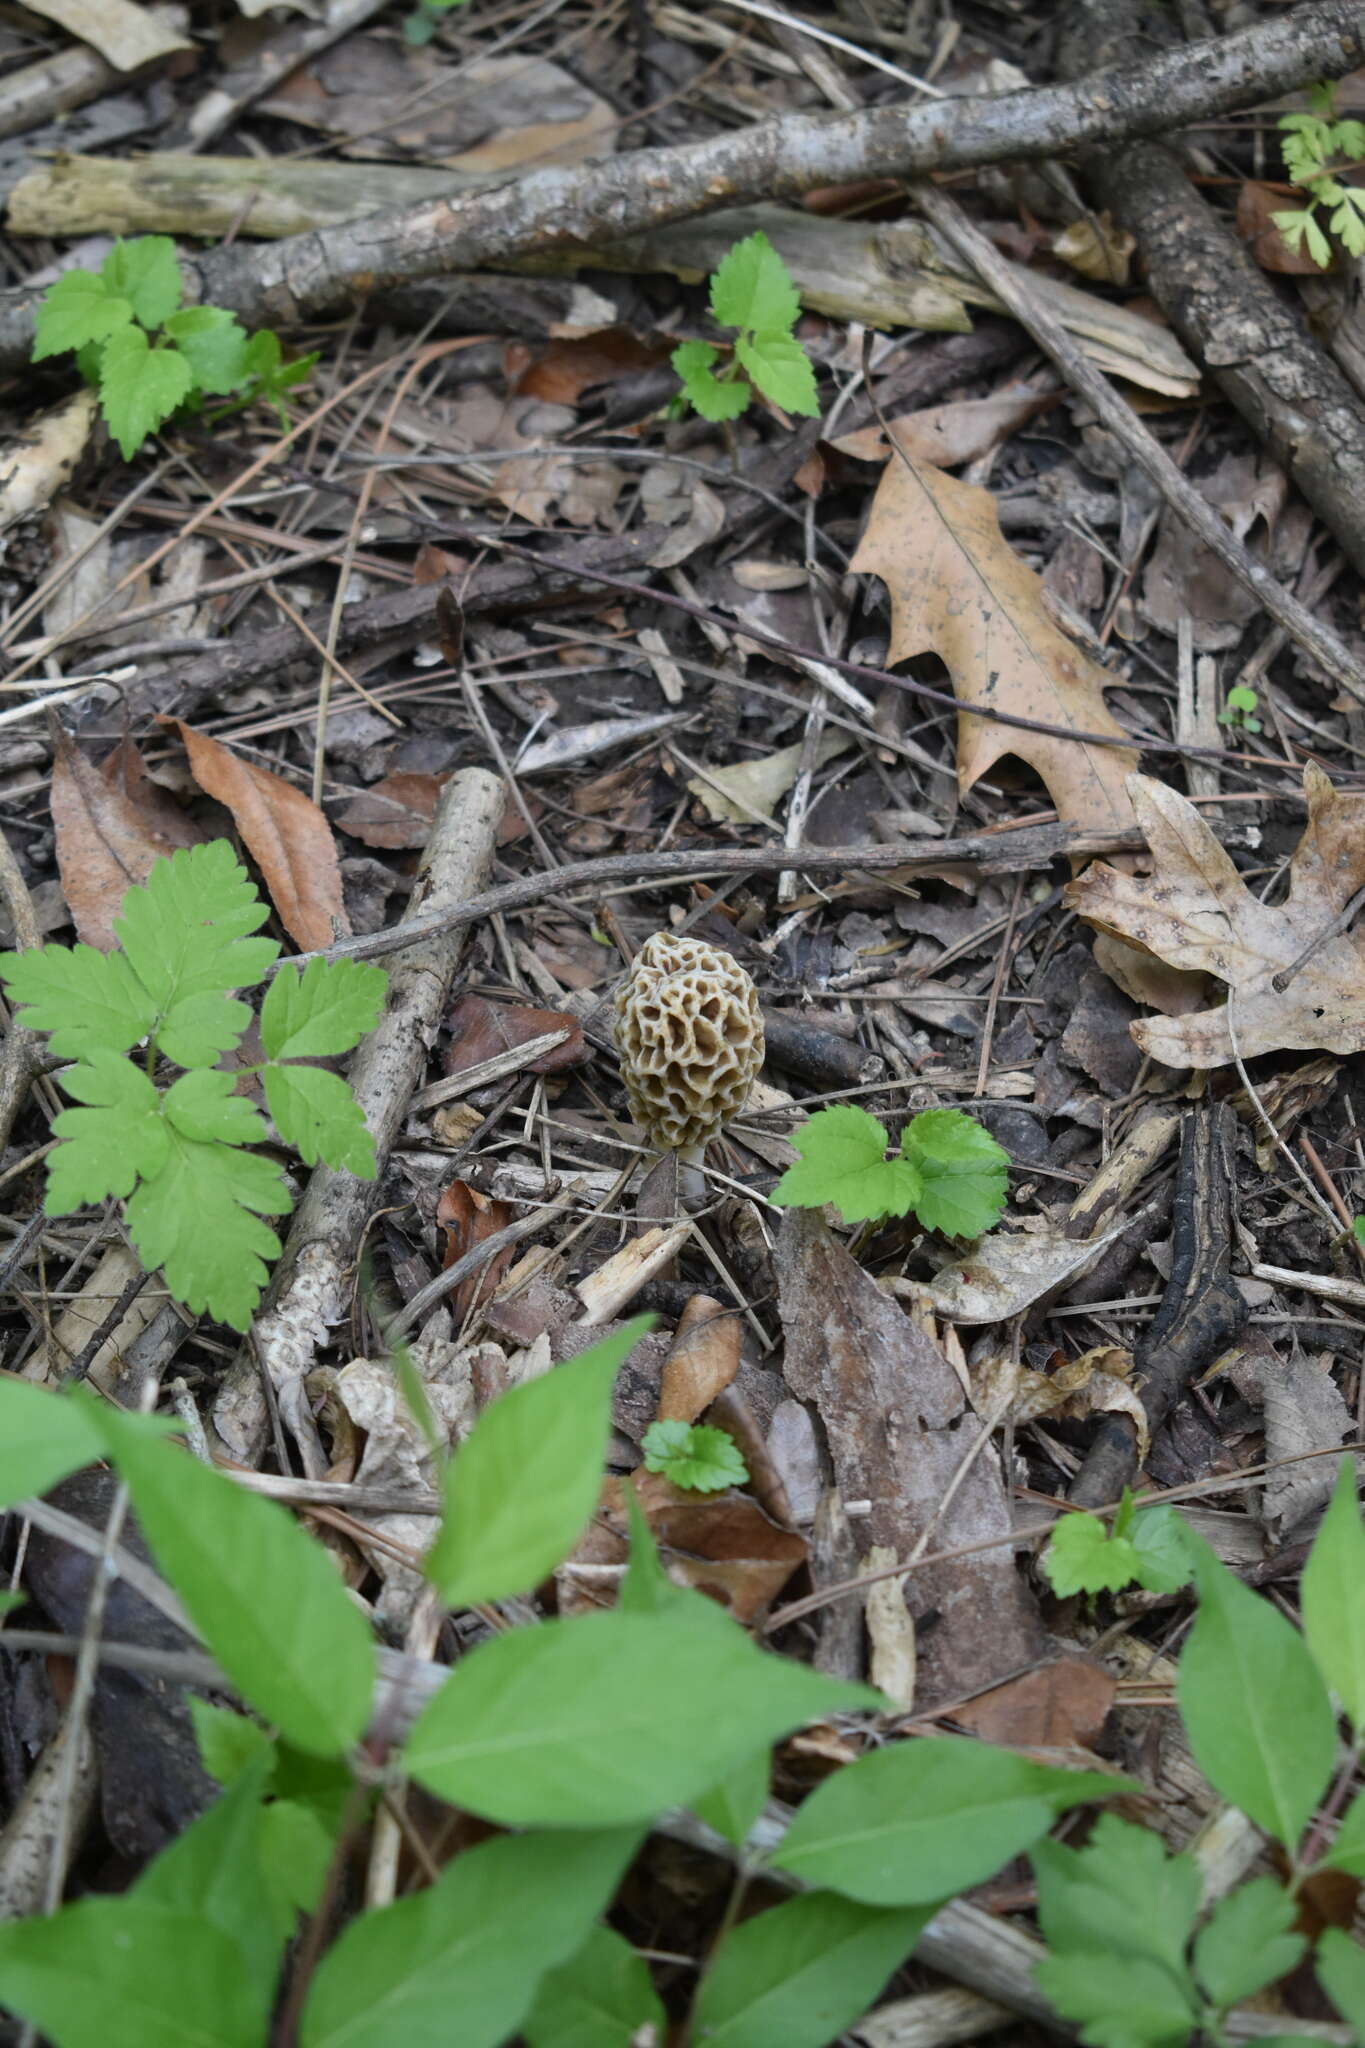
point(1195, 912)
point(958, 590)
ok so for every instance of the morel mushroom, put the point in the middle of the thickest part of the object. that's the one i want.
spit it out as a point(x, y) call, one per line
point(690, 1034)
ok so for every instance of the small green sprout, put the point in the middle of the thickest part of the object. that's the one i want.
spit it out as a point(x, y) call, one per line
point(1240, 709)
point(694, 1455)
point(1144, 1548)
point(1317, 150)
point(751, 290)
point(949, 1171)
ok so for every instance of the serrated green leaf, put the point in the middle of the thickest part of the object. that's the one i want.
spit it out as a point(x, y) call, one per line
point(106, 1146)
point(145, 270)
point(140, 386)
point(123, 1973)
point(199, 1219)
point(752, 288)
point(713, 397)
point(694, 1455)
point(1082, 1557)
point(184, 934)
point(462, 1960)
point(77, 309)
point(1247, 1942)
point(782, 370)
point(213, 343)
point(1121, 1895)
point(323, 1011)
point(1341, 1972)
point(265, 1597)
point(963, 1173)
point(522, 1486)
point(1330, 1596)
point(1347, 223)
point(843, 1160)
point(1159, 1548)
point(603, 1998)
point(202, 1105)
point(86, 1000)
point(799, 1974)
point(1118, 2001)
point(317, 1114)
point(228, 1742)
point(592, 1722)
point(920, 1821)
point(1255, 1710)
point(43, 1436)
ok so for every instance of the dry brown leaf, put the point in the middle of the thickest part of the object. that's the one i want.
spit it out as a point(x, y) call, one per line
point(469, 1219)
point(1096, 248)
point(1257, 206)
point(958, 590)
point(395, 812)
point(1062, 1706)
point(480, 1030)
point(285, 834)
point(1010, 1271)
point(569, 366)
point(960, 431)
point(111, 824)
point(1194, 911)
point(703, 1361)
point(1096, 1383)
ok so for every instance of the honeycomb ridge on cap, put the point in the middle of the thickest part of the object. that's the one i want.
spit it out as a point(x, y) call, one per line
point(690, 1034)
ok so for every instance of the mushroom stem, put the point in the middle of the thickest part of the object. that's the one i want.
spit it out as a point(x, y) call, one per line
point(691, 1176)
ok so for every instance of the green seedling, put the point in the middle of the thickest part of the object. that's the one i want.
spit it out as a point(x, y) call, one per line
point(1239, 711)
point(694, 1455)
point(948, 1171)
point(1144, 1548)
point(1318, 150)
point(751, 291)
point(147, 356)
point(178, 1155)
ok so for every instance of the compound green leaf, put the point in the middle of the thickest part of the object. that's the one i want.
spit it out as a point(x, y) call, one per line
point(1333, 1598)
point(694, 1456)
point(213, 344)
point(107, 1145)
point(325, 1010)
point(843, 1160)
point(603, 1998)
point(43, 1436)
point(798, 1975)
point(522, 1486)
point(145, 271)
point(184, 933)
point(594, 1721)
point(1120, 1895)
point(1341, 1972)
point(84, 999)
point(202, 1105)
point(122, 1973)
point(140, 387)
point(462, 1960)
point(752, 287)
point(919, 1821)
point(1254, 1706)
point(199, 1219)
point(317, 1114)
point(266, 1598)
point(963, 1172)
point(782, 370)
point(1248, 1941)
point(77, 309)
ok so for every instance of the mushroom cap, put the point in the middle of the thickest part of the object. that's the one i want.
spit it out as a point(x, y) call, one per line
point(690, 1035)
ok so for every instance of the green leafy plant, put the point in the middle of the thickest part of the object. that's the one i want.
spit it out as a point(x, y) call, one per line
point(694, 1455)
point(1239, 709)
point(751, 291)
point(1145, 1548)
point(949, 1171)
point(580, 1734)
point(195, 1195)
point(149, 357)
point(1318, 149)
point(421, 25)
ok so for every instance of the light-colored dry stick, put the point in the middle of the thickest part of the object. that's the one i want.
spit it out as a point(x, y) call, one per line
point(1316, 640)
point(312, 1287)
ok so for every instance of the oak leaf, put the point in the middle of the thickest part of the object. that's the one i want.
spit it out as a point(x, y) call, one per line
point(958, 590)
point(1195, 912)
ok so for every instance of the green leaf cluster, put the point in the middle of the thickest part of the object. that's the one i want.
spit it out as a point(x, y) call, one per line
point(948, 1170)
point(195, 1196)
point(1317, 148)
point(1239, 709)
point(751, 291)
point(148, 356)
point(694, 1455)
point(1145, 1547)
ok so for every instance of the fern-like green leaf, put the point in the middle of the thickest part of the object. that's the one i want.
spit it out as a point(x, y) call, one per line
point(317, 1114)
point(323, 1011)
point(84, 999)
point(106, 1145)
point(199, 1219)
point(184, 933)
